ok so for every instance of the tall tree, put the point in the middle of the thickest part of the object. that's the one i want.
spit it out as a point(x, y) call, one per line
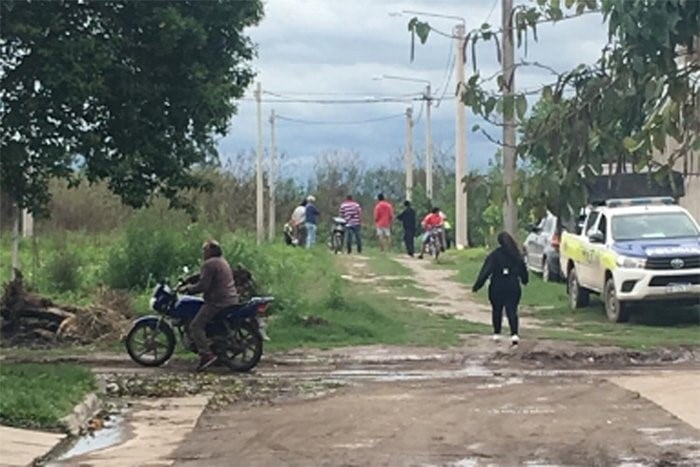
point(128, 92)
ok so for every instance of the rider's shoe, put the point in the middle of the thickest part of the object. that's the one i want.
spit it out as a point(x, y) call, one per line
point(206, 360)
point(496, 337)
point(514, 339)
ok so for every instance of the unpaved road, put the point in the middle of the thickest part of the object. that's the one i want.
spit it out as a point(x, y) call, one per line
point(470, 421)
point(481, 404)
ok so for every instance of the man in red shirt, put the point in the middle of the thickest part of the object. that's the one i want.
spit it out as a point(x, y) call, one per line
point(431, 221)
point(383, 217)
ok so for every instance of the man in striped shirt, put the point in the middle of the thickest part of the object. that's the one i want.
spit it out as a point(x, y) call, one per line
point(351, 211)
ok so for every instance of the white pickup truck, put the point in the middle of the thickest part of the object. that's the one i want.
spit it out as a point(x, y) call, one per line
point(631, 251)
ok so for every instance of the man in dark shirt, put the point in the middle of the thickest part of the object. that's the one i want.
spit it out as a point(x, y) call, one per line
point(217, 285)
point(408, 219)
point(312, 214)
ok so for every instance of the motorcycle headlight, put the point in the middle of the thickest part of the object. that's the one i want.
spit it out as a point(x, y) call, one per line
point(631, 263)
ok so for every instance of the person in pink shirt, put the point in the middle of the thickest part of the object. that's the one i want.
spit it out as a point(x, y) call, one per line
point(383, 217)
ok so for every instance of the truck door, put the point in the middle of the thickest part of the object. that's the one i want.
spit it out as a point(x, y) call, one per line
point(584, 268)
point(597, 250)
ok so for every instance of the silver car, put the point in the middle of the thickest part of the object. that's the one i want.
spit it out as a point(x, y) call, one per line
point(542, 249)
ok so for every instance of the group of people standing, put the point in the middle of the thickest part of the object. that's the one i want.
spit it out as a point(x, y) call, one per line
point(302, 226)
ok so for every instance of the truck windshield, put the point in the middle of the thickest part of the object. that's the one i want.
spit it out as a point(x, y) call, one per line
point(646, 225)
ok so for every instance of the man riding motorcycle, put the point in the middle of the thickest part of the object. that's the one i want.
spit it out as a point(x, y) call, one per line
point(431, 221)
point(218, 287)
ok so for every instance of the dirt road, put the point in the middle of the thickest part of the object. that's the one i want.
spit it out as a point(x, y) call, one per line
point(471, 421)
point(542, 403)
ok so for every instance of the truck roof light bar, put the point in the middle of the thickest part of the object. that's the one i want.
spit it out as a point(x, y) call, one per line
point(619, 202)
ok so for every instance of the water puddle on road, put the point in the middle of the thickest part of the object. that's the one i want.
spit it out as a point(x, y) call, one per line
point(112, 433)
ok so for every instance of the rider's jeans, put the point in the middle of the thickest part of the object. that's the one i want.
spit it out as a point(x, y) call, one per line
point(350, 231)
point(198, 326)
point(310, 234)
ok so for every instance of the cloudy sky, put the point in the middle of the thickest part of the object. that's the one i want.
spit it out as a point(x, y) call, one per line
point(336, 49)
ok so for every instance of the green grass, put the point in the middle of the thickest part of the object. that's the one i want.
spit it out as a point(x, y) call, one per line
point(39, 395)
point(368, 318)
point(356, 314)
point(648, 327)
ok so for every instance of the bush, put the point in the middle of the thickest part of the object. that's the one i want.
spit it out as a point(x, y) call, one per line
point(63, 272)
point(151, 250)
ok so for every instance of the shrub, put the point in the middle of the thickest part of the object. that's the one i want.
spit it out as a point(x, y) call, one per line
point(63, 272)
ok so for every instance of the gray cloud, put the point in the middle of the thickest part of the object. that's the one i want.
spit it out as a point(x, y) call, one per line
point(327, 47)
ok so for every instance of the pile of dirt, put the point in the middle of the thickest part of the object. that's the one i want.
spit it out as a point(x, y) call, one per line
point(27, 318)
point(601, 357)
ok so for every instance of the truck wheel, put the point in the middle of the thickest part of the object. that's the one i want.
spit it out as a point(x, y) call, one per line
point(546, 272)
point(578, 296)
point(616, 311)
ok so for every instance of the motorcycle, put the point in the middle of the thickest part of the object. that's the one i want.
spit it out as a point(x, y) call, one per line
point(338, 234)
point(234, 333)
point(435, 242)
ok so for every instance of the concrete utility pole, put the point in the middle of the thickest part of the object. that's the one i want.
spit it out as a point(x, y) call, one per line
point(409, 153)
point(428, 130)
point(259, 224)
point(272, 179)
point(15, 241)
point(461, 234)
point(428, 145)
point(510, 210)
point(27, 224)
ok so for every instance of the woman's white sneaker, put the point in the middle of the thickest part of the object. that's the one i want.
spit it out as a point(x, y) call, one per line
point(496, 337)
point(514, 339)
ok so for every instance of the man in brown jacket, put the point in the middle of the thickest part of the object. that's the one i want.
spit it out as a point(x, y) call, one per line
point(216, 283)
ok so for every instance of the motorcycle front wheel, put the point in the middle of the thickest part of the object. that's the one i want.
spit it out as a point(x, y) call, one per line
point(244, 348)
point(149, 344)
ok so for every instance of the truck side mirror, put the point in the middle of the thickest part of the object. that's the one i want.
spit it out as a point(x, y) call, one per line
point(596, 237)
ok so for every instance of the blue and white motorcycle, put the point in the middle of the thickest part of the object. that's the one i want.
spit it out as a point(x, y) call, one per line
point(234, 333)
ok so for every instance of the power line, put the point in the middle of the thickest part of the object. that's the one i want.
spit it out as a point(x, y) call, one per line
point(420, 113)
point(342, 122)
point(369, 100)
point(493, 8)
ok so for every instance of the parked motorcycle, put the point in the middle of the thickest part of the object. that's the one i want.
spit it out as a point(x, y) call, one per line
point(338, 234)
point(234, 333)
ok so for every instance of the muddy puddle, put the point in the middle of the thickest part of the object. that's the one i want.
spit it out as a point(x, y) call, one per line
point(112, 432)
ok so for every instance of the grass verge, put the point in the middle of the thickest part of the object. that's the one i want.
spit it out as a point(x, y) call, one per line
point(546, 301)
point(37, 395)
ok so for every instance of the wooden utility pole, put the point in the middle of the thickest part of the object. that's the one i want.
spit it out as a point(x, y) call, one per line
point(510, 210)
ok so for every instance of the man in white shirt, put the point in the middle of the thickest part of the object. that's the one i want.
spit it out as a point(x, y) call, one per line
point(297, 222)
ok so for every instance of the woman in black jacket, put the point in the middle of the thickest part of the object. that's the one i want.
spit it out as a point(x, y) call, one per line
point(506, 269)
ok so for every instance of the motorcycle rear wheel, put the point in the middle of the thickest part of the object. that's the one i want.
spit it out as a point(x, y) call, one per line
point(245, 348)
point(146, 339)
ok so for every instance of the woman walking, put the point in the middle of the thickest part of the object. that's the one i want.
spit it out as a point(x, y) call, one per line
point(506, 269)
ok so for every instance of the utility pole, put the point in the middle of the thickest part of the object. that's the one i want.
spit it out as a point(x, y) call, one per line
point(27, 224)
point(409, 153)
point(510, 212)
point(15, 241)
point(428, 145)
point(461, 234)
point(272, 179)
point(259, 226)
